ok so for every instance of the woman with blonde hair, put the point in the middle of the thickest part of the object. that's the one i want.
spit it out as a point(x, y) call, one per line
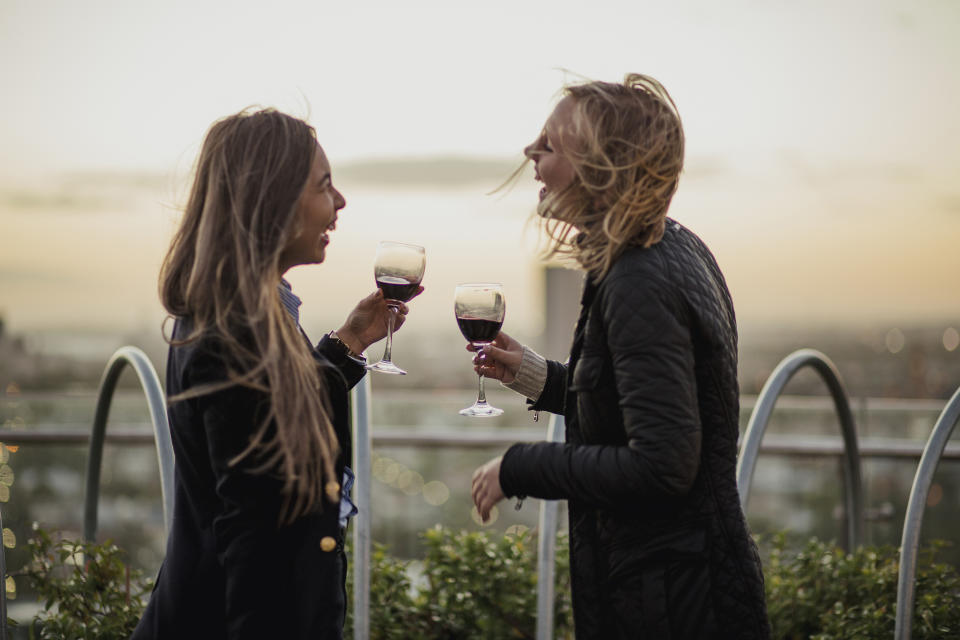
point(258, 415)
point(659, 546)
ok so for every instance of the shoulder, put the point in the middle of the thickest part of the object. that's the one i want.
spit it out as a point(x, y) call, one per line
point(670, 265)
point(198, 358)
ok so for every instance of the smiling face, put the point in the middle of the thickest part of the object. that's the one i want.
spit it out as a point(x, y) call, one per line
point(316, 216)
point(548, 152)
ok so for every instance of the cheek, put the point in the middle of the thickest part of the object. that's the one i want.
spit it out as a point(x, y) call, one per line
point(559, 174)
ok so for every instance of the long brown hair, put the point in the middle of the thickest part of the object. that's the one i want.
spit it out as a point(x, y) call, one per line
point(627, 157)
point(222, 271)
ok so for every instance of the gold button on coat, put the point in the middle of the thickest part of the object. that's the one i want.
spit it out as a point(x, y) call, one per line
point(327, 543)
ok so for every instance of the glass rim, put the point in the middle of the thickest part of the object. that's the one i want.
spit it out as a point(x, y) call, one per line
point(401, 244)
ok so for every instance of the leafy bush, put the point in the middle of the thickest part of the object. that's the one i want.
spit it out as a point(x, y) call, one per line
point(88, 591)
point(473, 585)
point(483, 585)
point(825, 593)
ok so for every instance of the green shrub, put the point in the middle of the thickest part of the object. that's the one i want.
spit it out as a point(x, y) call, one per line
point(472, 585)
point(483, 585)
point(87, 590)
point(825, 593)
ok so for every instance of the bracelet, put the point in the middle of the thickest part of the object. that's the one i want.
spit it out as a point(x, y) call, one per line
point(346, 348)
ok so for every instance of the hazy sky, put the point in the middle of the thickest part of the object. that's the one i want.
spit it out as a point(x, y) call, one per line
point(823, 141)
point(124, 84)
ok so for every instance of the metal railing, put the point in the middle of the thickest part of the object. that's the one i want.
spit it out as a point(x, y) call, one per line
point(3, 588)
point(747, 460)
point(935, 449)
point(362, 530)
point(932, 454)
point(161, 434)
point(546, 548)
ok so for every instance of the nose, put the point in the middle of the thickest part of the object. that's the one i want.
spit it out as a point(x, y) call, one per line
point(529, 149)
point(339, 202)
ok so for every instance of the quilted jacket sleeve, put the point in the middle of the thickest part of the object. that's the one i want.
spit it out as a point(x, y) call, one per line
point(649, 346)
point(554, 391)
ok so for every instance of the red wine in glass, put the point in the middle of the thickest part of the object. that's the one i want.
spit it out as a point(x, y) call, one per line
point(480, 309)
point(396, 288)
point(479, 331)
point(398, 270)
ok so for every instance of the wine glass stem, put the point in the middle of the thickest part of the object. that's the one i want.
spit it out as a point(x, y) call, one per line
point(481, 396)
point(390, 319)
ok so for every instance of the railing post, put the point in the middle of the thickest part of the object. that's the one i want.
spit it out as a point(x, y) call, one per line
point(547, 548)
point(747, 460)
point(362, 528)
point(909, 544)
point(3, 587)
point(161, 433)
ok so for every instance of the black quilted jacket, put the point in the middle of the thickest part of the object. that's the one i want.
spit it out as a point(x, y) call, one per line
point(659, 547)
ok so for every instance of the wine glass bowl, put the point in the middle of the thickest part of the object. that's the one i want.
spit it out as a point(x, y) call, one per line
point(480, 309)
point(398, 269)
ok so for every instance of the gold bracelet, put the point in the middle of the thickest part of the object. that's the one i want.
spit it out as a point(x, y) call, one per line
point(336, 339)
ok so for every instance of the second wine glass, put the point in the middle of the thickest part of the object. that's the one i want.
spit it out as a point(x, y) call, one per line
point(398, 270)
point(480, 309)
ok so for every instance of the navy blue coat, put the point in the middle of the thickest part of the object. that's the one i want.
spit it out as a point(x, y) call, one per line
point(231, 570)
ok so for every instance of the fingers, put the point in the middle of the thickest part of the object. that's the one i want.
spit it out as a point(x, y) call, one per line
point(485, 488)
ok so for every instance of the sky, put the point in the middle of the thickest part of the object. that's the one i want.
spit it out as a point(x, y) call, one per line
point(823, 143)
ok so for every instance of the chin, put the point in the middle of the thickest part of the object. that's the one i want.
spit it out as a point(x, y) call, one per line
point(543, 209)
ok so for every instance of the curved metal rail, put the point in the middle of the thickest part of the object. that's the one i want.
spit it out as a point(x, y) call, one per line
point(747, 460)
point(909, 544)
point(161, 433)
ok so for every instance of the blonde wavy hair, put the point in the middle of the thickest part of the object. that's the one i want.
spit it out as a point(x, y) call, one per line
point(627, 155)
point(222, 271)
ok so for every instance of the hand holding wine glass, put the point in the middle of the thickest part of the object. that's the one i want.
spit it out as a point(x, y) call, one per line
point(398, 270)
point(480, 309)
point(500, 359)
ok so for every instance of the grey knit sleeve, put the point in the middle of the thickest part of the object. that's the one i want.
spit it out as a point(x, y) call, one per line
point(532, 375)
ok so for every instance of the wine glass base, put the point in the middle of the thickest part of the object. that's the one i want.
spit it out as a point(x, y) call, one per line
point(481, 411)
point(385, 366)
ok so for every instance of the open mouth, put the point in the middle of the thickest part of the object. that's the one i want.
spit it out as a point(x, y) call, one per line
point(325, 237)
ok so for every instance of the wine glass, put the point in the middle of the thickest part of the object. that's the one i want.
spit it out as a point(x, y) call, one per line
point(398, 270)
point(479, 309)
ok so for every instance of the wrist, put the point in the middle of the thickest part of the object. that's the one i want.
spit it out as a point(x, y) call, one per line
point(350, 341)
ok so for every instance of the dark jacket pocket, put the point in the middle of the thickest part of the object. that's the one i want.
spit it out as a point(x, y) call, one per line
point(586, 374)
point(597, 401)
point(663, 588)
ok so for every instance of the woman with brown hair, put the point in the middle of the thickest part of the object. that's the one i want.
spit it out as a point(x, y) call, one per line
point(258, 415)
point(659, 547)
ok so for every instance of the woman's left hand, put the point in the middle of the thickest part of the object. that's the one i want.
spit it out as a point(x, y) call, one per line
point(485, 489)
point(367, 323)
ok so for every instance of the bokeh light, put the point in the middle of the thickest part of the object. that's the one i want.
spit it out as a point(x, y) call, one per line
point(9, 538)
point(935, 495)
point(895, 340)
point(951, 339)
point(436, 493)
